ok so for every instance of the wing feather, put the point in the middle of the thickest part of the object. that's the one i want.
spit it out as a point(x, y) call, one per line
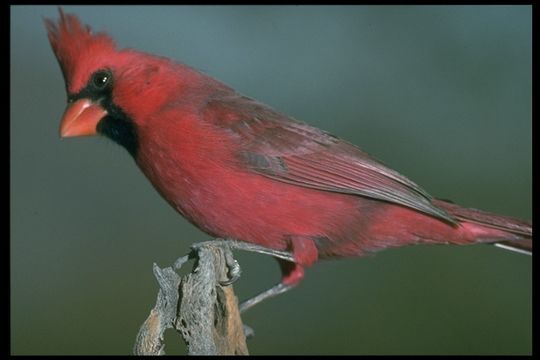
point(286, 150)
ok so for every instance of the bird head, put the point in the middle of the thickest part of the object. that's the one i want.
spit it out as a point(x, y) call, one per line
point(110, 91)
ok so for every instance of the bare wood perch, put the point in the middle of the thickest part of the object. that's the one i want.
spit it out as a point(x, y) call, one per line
point(197, 305)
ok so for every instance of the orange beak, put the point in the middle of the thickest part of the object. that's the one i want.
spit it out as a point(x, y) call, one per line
point(81, 118)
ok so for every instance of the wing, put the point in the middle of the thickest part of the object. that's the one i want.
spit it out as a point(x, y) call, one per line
point(286, 150)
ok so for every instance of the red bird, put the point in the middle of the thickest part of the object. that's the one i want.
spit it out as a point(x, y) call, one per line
point(238, 169)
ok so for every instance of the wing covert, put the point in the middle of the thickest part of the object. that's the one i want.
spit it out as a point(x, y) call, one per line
point(286, 150)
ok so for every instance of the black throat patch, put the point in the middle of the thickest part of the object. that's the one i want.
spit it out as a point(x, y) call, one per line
point(119, 127)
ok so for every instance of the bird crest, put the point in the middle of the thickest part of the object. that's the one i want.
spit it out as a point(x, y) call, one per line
point(76, 47)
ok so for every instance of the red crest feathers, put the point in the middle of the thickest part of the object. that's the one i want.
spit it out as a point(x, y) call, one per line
point(75, 46)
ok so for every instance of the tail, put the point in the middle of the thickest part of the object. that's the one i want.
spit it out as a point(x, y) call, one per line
point(502, 231)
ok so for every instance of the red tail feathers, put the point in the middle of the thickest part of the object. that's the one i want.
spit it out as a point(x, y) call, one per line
point(503, 231)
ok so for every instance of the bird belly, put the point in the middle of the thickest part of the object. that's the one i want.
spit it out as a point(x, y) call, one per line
point(231, 203)
point(253, 208)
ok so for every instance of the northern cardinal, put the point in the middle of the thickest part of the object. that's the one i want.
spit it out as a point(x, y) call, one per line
point(238, 169)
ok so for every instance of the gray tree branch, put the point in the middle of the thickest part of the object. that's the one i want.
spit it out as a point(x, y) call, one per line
point(200, 306)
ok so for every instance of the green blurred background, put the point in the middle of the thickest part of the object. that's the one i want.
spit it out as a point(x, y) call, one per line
point(440, 93)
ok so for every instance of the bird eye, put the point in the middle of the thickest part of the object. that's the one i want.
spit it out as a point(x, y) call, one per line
point(101, 79)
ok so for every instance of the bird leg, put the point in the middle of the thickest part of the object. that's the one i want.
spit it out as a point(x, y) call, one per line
point(240, 245)
point(277, 289)
point(304, 252)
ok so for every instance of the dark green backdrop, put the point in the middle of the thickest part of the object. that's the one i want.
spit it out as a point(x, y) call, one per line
point(441, 94)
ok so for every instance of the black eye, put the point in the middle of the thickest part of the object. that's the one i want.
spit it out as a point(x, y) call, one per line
point(101, 79)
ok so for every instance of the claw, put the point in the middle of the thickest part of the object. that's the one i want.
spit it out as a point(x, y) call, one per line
point(180, 261)
point(248, 332)
point(233, 271)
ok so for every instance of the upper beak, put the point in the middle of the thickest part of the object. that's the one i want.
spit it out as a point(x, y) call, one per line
point(81, 118)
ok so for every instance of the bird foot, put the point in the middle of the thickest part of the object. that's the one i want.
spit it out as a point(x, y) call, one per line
point(248, 332)
point(233, 270)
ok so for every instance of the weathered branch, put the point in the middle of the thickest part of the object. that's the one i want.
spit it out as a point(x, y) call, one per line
point(200, 306)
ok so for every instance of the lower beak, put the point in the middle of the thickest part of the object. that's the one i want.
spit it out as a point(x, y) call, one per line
point(81, 118)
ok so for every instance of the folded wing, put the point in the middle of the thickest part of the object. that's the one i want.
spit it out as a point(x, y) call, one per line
point(286, 150)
